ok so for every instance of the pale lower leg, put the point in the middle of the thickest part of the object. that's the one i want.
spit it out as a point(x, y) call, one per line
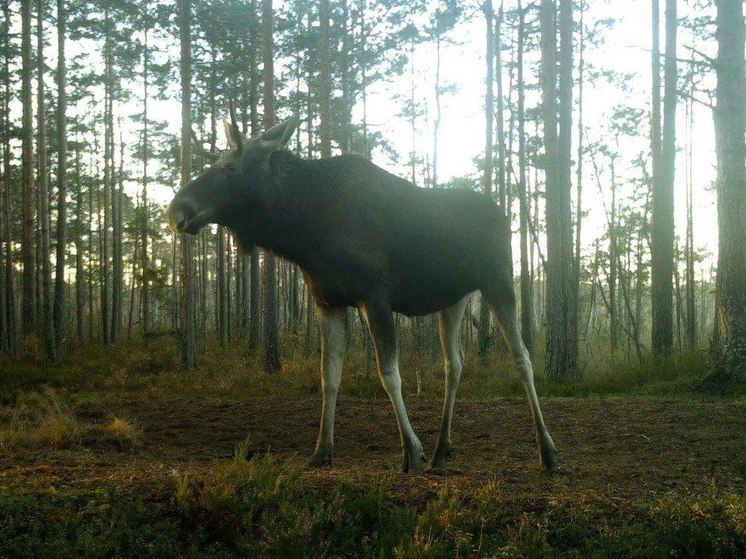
point(381, 327)
point(449, 322)
point(506, 317)
point(332, 325)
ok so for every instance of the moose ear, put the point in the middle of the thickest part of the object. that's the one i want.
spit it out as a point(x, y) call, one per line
point(233, 135)
point(279, 135)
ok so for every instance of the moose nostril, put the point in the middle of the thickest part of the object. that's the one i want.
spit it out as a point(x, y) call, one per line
point(178, 218)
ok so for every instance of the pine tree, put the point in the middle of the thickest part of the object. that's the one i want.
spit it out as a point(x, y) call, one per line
point(59, 280)
point(271, 344)
point(28, 307)
point(188, 342)
point(730, 338)
point(662, 232)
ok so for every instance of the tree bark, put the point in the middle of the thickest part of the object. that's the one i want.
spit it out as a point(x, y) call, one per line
point(502, 183)
point(59, 280)
point(108, 187)
point(5, 279)
point(117, 268)
point(561, 306)
point(325, 82)
point(527, 313)
point(579, 169)
point(188, 342)
point(255, 317)
point(43, 185)
point(80, 275)
point(144, 256)
point(272, 361)
point(9, 341)
point(489, 118)
point(28, 304)
point(730, 294)
point(662, 233)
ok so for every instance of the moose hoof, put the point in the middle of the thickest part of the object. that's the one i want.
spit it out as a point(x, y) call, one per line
point(414, 466)
point(442, 454)
point(322, 458)
point(548, 458)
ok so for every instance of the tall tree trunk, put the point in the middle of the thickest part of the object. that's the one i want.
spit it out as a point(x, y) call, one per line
point(4, 187)
point(489, 118)
point(117, 268)
point(255, 317)
point(613, 262)
point(78, 233)
point(561, 306)
point(28, 306)
point(59, 280)
point(7, 337)
point(364, 79)
point(662, 241)
point(579, 169)
point(144, 257)
point(90, 249)
point(10, 307)
point(325, 82)
point(502, 183)
point(108, 187)
point(437, 93)
point(222, 295)
point(271, 344)
point(730, 294)
point(527, 323)
point(4, 237)
point(133, 274)
point(347, 100)
point(188, 342)
point(43, 185)
point(691, 314)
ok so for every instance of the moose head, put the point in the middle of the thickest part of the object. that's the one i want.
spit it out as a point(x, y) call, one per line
point(234, 187)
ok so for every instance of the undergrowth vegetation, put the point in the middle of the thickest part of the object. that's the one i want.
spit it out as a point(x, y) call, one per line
point(261, 508)
point(153, 372)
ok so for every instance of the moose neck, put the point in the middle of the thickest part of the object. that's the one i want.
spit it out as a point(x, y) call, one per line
point(282, 223)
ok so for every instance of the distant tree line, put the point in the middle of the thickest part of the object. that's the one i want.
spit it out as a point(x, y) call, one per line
point(87, 257)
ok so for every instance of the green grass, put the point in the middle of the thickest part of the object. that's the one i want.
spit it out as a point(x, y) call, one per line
point(97, 372)
point(261, 508)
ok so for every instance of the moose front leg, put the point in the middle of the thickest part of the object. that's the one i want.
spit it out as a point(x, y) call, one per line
point(333, 328)
point(380, 322)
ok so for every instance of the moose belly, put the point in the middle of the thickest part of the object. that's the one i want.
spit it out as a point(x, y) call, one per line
point(415, 285)
point(429, 287)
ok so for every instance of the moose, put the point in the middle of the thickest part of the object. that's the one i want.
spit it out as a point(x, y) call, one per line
point(365, 238)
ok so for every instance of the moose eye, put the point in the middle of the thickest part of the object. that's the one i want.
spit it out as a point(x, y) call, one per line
point(230, 167)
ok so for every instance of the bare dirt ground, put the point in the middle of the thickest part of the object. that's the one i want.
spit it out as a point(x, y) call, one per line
point(610, 449)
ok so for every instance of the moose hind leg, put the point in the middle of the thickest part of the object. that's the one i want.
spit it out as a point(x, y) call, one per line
point(502, 303)
point(449, 323)
point(380, 322)
point(332, 326)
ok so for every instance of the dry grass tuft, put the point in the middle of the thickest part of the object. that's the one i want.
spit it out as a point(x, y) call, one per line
point(123, 431)
point(40, 419)
point(44, 420)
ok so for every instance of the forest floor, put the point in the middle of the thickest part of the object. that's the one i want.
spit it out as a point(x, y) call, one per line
point(671, 469)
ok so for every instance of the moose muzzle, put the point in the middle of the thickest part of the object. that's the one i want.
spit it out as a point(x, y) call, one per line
point(185, 217)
